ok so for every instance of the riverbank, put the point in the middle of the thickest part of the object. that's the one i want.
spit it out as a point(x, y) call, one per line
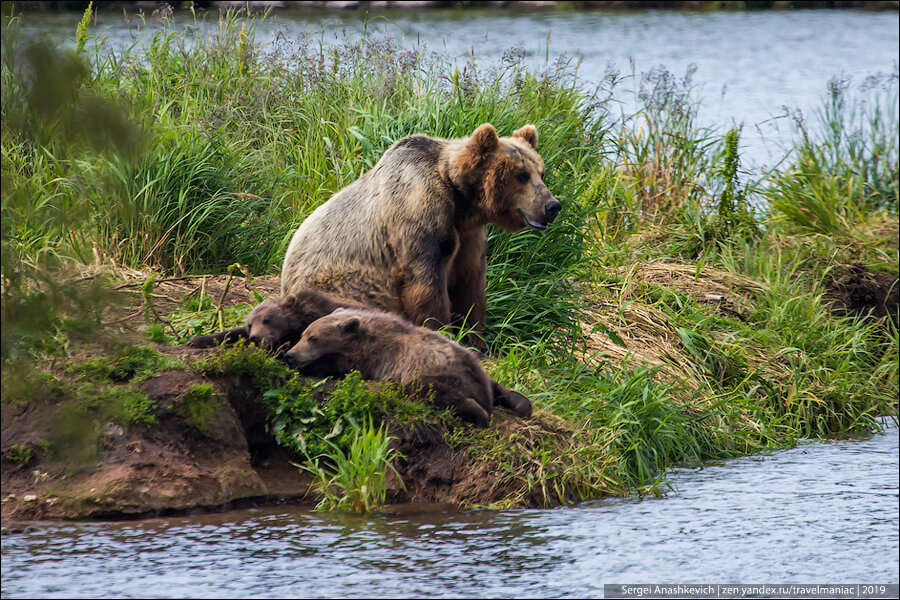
point(168, 449)
point(124, 433)
point(675, 312)
point(828, 508)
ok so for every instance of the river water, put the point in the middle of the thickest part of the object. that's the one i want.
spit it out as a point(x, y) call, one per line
point(824, 512)
point(749, 65)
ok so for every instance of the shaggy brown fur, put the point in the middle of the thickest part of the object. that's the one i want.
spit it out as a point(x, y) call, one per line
point(409, 236)
point(278, 324)
point(382, 346)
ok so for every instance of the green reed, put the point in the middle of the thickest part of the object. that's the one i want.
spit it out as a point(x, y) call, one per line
point(354, 479)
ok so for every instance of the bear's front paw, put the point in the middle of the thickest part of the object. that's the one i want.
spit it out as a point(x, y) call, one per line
point(202, 341)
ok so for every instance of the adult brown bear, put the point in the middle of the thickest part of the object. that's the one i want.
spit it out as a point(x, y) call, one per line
point(409, 236)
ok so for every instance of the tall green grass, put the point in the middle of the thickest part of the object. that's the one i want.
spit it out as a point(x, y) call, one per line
point(355, 480)
point(844, 165)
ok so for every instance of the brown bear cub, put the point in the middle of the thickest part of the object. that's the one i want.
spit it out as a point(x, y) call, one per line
point(409, 236)
point(278, 324)
point(383, 346)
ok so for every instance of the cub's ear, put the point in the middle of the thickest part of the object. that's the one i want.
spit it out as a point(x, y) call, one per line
point(352, 326)
point(483, 141)
point(527, 134)
point(289, 301)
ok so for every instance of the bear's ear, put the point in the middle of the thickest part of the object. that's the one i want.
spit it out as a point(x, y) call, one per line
point(527, 134)
point(483, 141)
point(289, 301)
point(476, 150)
point(352, 326)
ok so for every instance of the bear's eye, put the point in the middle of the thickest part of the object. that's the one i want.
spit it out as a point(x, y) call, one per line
point(267, 321)
point(313, 339)
point(523, 176)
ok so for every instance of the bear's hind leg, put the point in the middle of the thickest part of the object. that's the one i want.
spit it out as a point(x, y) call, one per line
point(456, 393)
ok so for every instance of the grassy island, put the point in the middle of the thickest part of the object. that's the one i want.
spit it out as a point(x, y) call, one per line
point(680, 309)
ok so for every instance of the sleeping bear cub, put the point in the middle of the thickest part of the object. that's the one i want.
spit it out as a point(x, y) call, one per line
point(382, 346)
point(278, 324)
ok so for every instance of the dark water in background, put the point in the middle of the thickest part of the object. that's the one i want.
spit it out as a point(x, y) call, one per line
point(825, 512)
point(749, 65)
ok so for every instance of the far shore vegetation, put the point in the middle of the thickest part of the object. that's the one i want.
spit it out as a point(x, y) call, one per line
point(680, 309)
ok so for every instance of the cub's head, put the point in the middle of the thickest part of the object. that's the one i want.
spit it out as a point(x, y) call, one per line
point(273, 324)
point(510, 174)
point(333, 334)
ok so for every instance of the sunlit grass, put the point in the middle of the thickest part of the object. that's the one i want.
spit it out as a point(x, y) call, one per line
point(354, 479)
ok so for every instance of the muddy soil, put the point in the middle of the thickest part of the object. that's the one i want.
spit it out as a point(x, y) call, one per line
point(170, 467)
point(174, 467)
point(856, 291)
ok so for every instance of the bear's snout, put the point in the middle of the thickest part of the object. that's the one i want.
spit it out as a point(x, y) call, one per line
point(293, 362)
point(551, 209)
point(543, 210)
point(298, 356)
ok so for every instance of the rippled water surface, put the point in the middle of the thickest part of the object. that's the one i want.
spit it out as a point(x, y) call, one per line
point(824, 512)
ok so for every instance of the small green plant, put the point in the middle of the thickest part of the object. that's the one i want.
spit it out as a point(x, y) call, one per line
point(200, 404)
point(81, 30)
point(733, 216)
point(20, 454)
point(353, 479)
point(156, 332)
point(45, 446)
point(147, 294)
point(125, 364)
point(103, 400)
point(241, 360)
point(130, 406)
point(309, 424)
point(311, 416)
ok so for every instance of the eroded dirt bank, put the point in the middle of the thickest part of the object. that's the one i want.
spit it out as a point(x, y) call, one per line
point(854, 290)
point(171, 466)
